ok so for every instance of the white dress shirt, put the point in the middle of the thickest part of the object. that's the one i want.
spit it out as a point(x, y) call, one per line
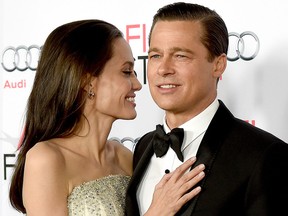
point(194, 131)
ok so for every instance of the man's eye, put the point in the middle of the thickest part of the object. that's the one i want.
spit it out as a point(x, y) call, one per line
point(180, 56)
point(154, 56)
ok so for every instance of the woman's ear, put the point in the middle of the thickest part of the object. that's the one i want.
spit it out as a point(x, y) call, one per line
point(220, 65)
point(88, 82)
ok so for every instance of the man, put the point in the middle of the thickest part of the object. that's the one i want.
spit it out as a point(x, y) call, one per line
point(246, 167)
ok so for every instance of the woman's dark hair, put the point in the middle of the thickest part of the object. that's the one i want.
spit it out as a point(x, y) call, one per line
point(215, 34)
point(71, 54)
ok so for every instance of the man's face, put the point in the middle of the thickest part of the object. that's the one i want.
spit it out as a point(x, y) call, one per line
point(181, 79)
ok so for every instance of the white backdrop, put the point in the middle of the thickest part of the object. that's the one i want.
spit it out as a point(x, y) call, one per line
point(254, 90)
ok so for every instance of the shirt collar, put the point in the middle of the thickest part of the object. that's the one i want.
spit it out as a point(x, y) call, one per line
point(197, 125)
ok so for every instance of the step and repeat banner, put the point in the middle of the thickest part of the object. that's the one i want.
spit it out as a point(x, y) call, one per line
point(254, 86)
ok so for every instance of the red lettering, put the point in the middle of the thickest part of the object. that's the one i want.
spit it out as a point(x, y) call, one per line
point(129, 36)
point(144, 38)
point(253, 122)
point(20, 84)
point(7, 84)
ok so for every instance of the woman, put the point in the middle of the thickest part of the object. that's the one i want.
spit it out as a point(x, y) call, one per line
point(85, 80)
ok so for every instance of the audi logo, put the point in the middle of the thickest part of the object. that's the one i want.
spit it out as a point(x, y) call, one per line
point(129, 142)
point(20, 58)
point(243, 46)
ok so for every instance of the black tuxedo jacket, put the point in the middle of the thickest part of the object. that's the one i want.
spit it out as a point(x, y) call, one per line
point(246, 171)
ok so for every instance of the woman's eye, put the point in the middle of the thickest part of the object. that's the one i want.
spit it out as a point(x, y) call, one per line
point(127, 72)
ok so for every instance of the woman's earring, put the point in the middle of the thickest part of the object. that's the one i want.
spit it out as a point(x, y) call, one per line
point(91, 94)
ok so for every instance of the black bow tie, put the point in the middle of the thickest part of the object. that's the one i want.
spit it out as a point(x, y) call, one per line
point(162, 141)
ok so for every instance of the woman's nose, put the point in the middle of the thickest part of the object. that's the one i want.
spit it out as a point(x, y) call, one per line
point(136, 85)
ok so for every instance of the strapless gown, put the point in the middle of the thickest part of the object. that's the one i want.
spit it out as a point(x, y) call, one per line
point(104, 197)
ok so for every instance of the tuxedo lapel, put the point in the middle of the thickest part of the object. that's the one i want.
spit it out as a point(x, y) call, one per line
point(141, 163)
point(214, 136)
point(208, 149)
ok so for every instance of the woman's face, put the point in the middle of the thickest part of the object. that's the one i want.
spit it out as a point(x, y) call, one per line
point(116, 86)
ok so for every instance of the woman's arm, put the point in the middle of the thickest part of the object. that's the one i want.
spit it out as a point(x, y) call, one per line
point(44, 185)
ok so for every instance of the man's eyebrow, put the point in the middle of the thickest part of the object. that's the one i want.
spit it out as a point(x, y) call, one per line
point(172, 50)
point(153, 50)
point(177, 49)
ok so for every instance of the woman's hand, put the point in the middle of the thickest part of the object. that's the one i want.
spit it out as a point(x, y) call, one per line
point(172, 192)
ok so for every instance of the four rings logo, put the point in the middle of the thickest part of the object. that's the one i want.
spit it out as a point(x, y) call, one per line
point(129, 142)
point(20, 58)
point(243, 46)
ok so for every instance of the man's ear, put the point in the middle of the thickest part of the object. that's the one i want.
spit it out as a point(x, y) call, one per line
point(220, 64)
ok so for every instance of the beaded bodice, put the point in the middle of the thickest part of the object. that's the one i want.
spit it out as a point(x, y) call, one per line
point(104, 197)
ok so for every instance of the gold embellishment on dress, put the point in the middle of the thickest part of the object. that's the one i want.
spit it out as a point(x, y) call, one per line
point(100, 197)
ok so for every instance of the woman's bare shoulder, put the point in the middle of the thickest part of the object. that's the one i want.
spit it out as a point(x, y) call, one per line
point(45, 176)
point(44, 152)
